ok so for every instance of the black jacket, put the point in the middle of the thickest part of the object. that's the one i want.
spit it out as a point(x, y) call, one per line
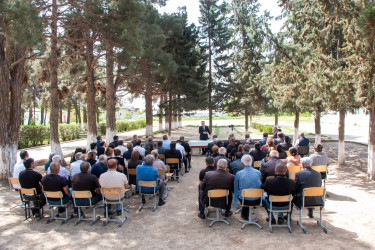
point(280, 185)
point(305, 179)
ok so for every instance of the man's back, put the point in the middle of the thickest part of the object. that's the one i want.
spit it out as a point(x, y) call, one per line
point(85, 181)
point(307, 178)
point(247, 178)
point(235, 167)
point(166, 144)
point(280, 185)
point(161, 150)
point(268, 169)
point(147, 173)
point(113, 179)
point(75, 167)
point(30, 179)
point(98, 169)
point(54, 182)
point(186, 146)
point(219, 157)
point(303, 141)
point(218, 179)
point(141, 150)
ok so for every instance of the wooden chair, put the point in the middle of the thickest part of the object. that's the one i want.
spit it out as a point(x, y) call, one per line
point(287, 153)
point(162, 157)
point(257, 164)
point(116, 191)
point(132, 171)
point(217, 193)
point(323, 169)
point(147, 184)
point(286, 209)
point(292, 171)
point(251, 193)
point(312, 192)
point(60, 203)
point(303, 150)
point(175, 161)
point(85, 195)
point(163, 173)
point(29, 195)
point(13, 181)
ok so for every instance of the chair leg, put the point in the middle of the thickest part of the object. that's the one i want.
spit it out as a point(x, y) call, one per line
point(250, 221)
point(320, 222)
point(299, 223)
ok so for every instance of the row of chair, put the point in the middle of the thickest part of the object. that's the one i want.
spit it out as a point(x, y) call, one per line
point(258, 194)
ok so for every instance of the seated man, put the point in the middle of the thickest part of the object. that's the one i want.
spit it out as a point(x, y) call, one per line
point(263, 141)
point(182, 150)
point(247, 178)
point(19, 167)
point(268, 169)
point(93, 147)
point(54, 182)
point(166, 142)
point(138, 147)
point(31, 179)
point(85, 181)
point(307, 178)
point(287, 143)
point(101, 149)
point(160, 148)
point(247, 138)
point(115, 140)
point(148, 141)
point(280, 185)
point(222, 155)
point(75, 167)
point(210, 166)
point(63, 173)
point(128, 153)
point(173, 153)
point(146, 172)
point(236, 165)
point(121, 147)
point(46, 165)
point(279, 139)
point(114, 179)
point(187, 149)
point(219, 179)
point(302, 140)
point(135, 139)
point(100, 167)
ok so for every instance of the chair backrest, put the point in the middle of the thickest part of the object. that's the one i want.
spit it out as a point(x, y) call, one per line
point(14, 181)
point(160, 171)
point(287, 153)
point(147, 184)
point(218, 193)
point(320, 168)
point(27, 191)
point(280, 198)
point(292, 171)
point(252, 193)
point(82, 194)
point(110, 191)
point(161, 156)
point(172, 160)
point(314, 192)
point(54, 194)
point(257, 164)
point(132, 171)
point(303, 150)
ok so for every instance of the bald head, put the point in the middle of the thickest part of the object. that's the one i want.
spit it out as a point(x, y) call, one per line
point(112, 164)
point(54, 167)
point(274, 153)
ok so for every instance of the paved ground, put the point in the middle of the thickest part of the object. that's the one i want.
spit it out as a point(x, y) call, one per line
point(348, 217)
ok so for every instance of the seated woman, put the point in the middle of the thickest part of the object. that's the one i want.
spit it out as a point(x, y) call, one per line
point(120, 161)
point(294, 159)
point(238, 149)
point(257, 153)
point(91, 158)
point(231, 146)
point(282, 153)
point(215, 151)
point(132, 164)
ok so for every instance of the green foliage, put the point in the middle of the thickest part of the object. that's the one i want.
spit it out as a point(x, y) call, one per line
point(123, 126)
point(68, 132)
point(32, 135)
point(263, 128)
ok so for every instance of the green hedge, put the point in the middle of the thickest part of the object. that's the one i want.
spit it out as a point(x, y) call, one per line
point(123, 126)
point(263, 128)
point(33, 135)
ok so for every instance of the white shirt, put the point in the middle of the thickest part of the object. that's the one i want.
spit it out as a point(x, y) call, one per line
point(122, 148)
point(75, 168)
point(62, 173)
point(141, 150)
point(112, 179)
point(181, 148)
point(17, 170)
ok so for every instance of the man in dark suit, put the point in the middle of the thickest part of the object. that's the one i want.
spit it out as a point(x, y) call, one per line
point(280, 185)
point(218, 179)
point(222, 153)
point(307, 178)
point(187, 149)
point(204, 131)
point(268, 169)
point(236, 165)
point(279, 138)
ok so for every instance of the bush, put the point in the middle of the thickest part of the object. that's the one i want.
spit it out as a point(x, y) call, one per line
point(32, 135)
point(263, 128)
point(123, 126)
point(68, 132)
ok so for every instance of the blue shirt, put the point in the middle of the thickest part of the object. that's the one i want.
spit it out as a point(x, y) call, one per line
point(128, 154)
point(166, 144)
point(245, 179)
point(303, 141)
point(98, 169)
point(147, 172)
point(98, 144)
point(263, 141)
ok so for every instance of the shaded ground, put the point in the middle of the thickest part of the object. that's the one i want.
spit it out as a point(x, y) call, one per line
point(348, 217)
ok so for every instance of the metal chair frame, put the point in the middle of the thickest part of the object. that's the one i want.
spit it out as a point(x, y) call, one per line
point(32, 197)
point(175, 161)
point(106, 202)
point(144, 184)
point(252, 194)
point(14, 181)
point(85, 195)
point(276, 198)
point(216, 193)
point(322, 191)
point(59, 195)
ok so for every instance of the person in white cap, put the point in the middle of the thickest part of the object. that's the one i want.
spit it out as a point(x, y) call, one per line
point(307, 178)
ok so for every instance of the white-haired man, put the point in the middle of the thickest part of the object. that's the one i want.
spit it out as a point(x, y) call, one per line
point(75, 167)
point(62, 172)
point(222, 155)
point(248, 178)
point(218, 179)
point(268, 169)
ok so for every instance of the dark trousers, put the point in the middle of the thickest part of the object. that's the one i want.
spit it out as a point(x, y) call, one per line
point(245, 210)
point(201, 207)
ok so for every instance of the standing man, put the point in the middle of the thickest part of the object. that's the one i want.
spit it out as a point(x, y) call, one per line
point(204, 131)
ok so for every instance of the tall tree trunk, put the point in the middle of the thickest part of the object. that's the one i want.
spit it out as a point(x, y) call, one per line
point(371, 144)
point(10, 103)
point(45, 116)
point(97, 116)
point(341, 158)
point(22, 117)
point(61, 115)
point(161, 113)
point(179, 113)
point(170, 114)
point(318, 131)
point(42, 114)
point(166, 117)
point(90, 95)
point(79, 115)
point(30, 116)
point(149, 118)
point(276, 118)
point(210, 83)
point(85, 118)
point(296, 126)
point(251, 120)
point(110, 97)
point(246, 120)
point(68, 112)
